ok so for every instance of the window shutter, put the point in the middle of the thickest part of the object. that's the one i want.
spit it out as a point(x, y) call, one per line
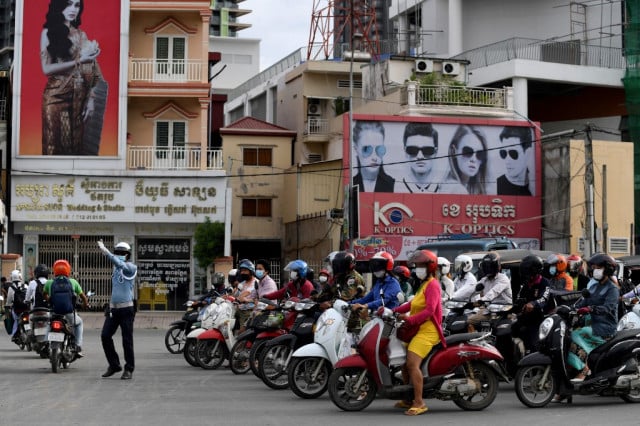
point(162, 139)
point(179, 135)
point(162, 55)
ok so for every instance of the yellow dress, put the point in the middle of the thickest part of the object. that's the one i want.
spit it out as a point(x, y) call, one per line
point(427, 335)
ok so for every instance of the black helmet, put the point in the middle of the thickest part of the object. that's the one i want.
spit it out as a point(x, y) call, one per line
point(41, 270)
point(343, 262)
point(490, 264)
point(530, 266)
point(605, 261)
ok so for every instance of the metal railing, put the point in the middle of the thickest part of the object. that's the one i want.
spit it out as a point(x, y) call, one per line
point(558, 51)
point(317, 126)
point(173, 158)
point(460, 95)
point(166, 70)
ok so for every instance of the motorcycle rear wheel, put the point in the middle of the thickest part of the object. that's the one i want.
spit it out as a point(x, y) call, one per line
point(272, 366)
point(55, 359)
point(239, 356)
point(175, 339)
point(210, 354)
point(528, 389)
point(488, 382)
point(300, 380)
point(189, 352)
point(344, 393)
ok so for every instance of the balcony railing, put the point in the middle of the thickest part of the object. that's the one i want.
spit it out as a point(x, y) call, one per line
point(317, 126)
point(166, 70)
point(415, 94)
point(173, 158)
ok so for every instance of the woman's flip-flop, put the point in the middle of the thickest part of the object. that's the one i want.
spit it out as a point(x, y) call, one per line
point(415, 411)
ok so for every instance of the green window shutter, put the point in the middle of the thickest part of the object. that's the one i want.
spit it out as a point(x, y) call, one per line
point(162, 138)
point(224, 22)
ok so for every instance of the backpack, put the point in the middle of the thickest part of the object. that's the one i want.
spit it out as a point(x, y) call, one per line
point(62, 297)
point(19, 295)
point(38, 299)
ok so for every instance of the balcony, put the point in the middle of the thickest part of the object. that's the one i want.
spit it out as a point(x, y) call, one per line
point(173, 158)
point(316, 130)
point(166, 70)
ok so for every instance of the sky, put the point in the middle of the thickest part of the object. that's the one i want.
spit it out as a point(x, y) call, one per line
point(283, 26)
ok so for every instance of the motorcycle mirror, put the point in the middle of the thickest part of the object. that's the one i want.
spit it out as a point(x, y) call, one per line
point(586, 293)
point(479, 287)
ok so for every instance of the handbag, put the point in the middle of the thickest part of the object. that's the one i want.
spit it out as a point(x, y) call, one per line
point(406, 331)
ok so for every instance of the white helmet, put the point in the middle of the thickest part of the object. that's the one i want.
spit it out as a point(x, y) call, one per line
point(122, 247)
point(444, 265)
point(463, 264)
point(16, 276)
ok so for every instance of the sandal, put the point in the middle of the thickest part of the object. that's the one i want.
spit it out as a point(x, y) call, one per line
point(416, 411)
point(403, 404)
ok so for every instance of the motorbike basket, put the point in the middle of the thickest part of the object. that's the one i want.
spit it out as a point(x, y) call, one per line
point(265, 320)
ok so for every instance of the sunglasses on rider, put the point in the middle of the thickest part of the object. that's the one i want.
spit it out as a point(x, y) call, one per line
point(512, 153)
point(367, 150)
point(427, 151)
point(468, 152)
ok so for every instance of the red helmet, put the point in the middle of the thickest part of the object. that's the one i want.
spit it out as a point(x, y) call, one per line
point(425, 256)
point(401, 270)
point(324, 272)
point(575, 264)
point(61, 267)
point(381, 260)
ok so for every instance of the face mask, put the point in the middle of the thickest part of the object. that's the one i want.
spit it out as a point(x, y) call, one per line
point(421, 273)
point(379, 274)
point(322, 279)
point(293, 275)
point(245, 277)
point(552, 270)
point(121, 257)
point(598, 274)
point(259, 273)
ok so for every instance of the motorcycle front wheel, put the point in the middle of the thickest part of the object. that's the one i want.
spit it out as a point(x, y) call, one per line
point(309, 377)
point(348, 392)
point(174, 340)
point(239, 356)
point(272, 366)
point(190, 352)
point(210, 354)
point(531, 390)
point(487, 382)
point(254, 355)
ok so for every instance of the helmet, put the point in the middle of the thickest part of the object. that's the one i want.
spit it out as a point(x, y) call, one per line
point(381, 261)
point(444, 265)
point(217, 279)
point(490, 264)
point(425, 256)
point(328, 261)
point(247, 264)
point(61, 267)
point(575, 264)
point(122, 248)
point(530, 266)
point(324, 271)
point(559, 260)
point(298, 265)
point(41, 270)
point(16, 275)
point(402, 271)
point(231, 276)
point(343, 262)
point(463, 264)
point(603, 260)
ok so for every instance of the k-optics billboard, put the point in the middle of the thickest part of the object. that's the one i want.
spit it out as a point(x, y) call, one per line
point(424, 178)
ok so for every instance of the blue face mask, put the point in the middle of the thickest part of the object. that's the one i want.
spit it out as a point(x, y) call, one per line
point(121, 257)
point(552, 270)
point(259, 273)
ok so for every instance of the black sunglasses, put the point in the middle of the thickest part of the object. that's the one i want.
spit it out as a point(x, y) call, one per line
point(427, 151)
point(512, 153)
point(468, 152)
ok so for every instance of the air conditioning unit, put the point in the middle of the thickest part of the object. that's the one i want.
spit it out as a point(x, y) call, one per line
point(423, 66)
point(450, 68)
point(314, 158)
point(314, 109)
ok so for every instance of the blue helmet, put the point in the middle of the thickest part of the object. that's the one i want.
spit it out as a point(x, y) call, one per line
point(247, 264)
point(298, 265)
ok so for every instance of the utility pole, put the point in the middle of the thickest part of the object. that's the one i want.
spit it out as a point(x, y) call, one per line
point(605, 225)
point(588, 184)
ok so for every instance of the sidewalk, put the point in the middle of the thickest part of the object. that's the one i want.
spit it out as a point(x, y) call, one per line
point(144, 319)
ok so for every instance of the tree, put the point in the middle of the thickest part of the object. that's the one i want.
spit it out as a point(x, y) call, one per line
point(209, 237)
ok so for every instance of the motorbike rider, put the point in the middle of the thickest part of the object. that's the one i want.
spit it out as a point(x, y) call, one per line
point(251, 290)
point(442, 274)
point(41, 276)
point(424, 309)
point(403, 275)
point(16, 311)
point(533, 297)
point(263, 275)
point(577, 272)
point(462, 266)
point(560, 280)
point(496, 287)
point(62, 267)
point(601, 302)
point(385, 290)
point(345, 283)
point(298, 285)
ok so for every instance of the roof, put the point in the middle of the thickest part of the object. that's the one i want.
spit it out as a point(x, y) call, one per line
point(515, 255)
point(250, 125)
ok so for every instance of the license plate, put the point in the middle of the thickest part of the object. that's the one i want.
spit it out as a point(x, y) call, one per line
point(27, 327)
point(56, 337)
point(40, 331)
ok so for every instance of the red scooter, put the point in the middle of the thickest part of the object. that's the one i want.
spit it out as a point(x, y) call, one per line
point(465, 372)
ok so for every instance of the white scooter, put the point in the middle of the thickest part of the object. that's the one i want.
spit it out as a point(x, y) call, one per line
point(214, 345)
point(631, 320)
point(205, 321)
point(312, 364)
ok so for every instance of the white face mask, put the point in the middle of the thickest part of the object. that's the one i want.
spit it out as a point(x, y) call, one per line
point(379, 274)
point(322, 279)
point(293, 275)
point(552, 270)
point(598, 274)
point(421, 273)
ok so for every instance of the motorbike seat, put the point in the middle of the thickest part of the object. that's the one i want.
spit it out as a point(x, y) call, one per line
point(459, 338)
point(604, 348)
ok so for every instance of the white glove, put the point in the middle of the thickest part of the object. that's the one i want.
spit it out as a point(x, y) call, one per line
point(102, 247)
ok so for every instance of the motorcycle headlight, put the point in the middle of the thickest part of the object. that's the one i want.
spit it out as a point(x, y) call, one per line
point(545, 328)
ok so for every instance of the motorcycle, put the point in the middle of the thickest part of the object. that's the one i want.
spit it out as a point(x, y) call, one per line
point(614, 365)
point(40, 319)
point(276, 355)
point(215, 343)
point(176, 336)
point(631, 319)
point(21, 337)
point(62, 342)
point(312, 364)
point(465, 372)
point(205, 321)
point(455, 321)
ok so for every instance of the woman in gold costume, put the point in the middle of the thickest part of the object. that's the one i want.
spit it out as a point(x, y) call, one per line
point(68, 60)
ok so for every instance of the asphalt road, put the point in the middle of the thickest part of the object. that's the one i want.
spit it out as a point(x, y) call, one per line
point(165, 390)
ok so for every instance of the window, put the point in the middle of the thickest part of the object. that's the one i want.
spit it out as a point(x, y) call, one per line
point(170, 56)
point(170, 137)
point(256, 207)
point(257, 156)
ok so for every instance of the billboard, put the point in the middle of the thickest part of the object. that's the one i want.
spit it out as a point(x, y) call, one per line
point(424, 178)
point(66, 78)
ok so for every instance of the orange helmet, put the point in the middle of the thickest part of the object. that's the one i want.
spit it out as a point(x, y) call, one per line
point(559, 260)
point(381, 260)
point(61, 267)
point(425, 256)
